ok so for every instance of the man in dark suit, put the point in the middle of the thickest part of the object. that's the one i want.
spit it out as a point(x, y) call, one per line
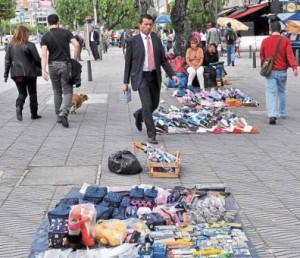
point(144, 57)
point(94, 42)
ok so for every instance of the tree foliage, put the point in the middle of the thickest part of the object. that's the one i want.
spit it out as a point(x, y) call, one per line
point(188, 15)
point(73, 12)
point(111, 13)
point(118, 13)
point(7, 10)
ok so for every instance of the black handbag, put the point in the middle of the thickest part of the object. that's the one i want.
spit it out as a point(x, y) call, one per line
point(74, 68)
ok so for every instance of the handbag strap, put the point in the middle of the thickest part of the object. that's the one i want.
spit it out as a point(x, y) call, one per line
point(59, 46)
point(277, 48)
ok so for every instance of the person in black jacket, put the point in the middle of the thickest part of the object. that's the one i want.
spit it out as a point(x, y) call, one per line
point(94, 42)
point(145, 55)
point(213, 66)
point(23, 62)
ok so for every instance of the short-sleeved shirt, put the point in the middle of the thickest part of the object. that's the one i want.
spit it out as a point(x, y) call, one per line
point(63, 37)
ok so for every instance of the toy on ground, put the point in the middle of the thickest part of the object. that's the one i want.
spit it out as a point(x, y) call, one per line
point(82, 219)
point(110, 232)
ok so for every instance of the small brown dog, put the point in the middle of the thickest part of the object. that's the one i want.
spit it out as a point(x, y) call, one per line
point(77, 101)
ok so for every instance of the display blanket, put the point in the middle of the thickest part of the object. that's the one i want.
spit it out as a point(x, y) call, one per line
point(197, 222)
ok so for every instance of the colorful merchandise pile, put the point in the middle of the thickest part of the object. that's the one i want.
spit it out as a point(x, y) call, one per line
point(214, 98)
point(200, 120)
point(148, 221)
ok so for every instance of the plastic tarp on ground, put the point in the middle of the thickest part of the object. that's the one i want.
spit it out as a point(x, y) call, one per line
point(39, 248)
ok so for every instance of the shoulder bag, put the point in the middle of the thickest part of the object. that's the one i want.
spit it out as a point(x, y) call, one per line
point(74, 68)
point(267, 64)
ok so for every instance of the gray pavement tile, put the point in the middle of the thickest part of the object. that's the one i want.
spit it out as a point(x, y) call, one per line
point(71, 175)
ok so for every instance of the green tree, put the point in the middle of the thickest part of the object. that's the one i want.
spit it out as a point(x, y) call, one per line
point(118, 13)
point(73, 12)
point(7, 10)
point(187, 15)
point(111, 13)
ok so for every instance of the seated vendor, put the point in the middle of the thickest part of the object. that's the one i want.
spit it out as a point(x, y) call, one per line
point(194, 59)
point(217, 71)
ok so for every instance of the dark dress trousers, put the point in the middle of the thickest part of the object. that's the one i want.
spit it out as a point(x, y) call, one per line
point(94, 44)
point(146, 83)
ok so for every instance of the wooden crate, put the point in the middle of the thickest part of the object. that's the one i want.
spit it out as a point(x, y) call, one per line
point(154, 166)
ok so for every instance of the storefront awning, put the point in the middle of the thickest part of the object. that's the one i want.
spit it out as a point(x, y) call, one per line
point(229, 10)
point(249, 10)
point(284, 17)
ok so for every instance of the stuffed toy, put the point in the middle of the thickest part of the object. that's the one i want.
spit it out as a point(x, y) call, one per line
point(80, 225)
point(110, 232)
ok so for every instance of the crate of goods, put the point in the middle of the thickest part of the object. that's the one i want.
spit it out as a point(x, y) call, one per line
point(164, 169)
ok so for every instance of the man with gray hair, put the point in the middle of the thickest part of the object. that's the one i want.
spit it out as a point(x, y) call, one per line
point(275, 83)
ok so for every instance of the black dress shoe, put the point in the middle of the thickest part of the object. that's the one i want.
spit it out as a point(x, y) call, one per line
point(35, 116)
point(152, 140)
point(272, 121)
point(138, 122)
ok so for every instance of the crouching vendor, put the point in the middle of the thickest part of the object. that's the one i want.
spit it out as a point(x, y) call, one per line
point(213, 66)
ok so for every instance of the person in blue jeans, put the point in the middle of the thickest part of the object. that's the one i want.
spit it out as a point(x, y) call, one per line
point(230, 38)
point(275, 83)
point(216, 71)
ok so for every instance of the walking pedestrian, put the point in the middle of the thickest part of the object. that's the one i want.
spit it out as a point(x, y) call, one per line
point(80, 40)
point(275, 84)
point(23, 62)
point(144, 56)
point(56, 43)
point(213, 35)
point(230, 38)
point(94, 42)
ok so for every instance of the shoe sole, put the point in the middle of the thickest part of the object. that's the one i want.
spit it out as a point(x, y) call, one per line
point(64, 121)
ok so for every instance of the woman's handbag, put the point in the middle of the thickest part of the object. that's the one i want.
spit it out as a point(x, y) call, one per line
point(267, 65)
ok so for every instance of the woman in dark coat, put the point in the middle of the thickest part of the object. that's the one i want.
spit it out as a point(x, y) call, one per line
point(23, 62)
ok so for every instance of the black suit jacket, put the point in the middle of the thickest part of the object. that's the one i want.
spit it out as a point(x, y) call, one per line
point(96, 37)
point(135, 57)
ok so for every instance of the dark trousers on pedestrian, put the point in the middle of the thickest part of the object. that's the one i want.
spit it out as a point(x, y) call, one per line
point(94, 48)
point(27, 85)
point(149, 92)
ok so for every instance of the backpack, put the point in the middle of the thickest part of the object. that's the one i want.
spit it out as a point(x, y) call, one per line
point(230, 37)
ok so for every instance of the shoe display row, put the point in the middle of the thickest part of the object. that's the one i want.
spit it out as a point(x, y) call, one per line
point(200, 120)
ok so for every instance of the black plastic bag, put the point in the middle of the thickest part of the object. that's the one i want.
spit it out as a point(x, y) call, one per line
point(124, 162)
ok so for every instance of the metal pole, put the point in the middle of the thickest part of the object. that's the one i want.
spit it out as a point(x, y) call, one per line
point(254, 59)
point(297, 56)
point(250, 51)
point(89, 70)
point(216, 10)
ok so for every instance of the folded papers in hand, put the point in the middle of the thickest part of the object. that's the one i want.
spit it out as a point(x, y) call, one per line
point(127, 96)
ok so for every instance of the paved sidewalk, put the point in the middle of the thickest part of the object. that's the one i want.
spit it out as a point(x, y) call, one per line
point(40, 161)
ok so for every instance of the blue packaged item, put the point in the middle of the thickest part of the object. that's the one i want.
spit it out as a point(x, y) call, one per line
point(182, 78)
point(95, 194)
point(125, 202)
point(103, 211)
point(151, 193)
point(137, 193)
point(63, 208)
point(113, 198)
point(159, 250)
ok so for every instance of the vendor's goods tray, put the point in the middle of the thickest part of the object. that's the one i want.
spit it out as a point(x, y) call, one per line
point(156, 167)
